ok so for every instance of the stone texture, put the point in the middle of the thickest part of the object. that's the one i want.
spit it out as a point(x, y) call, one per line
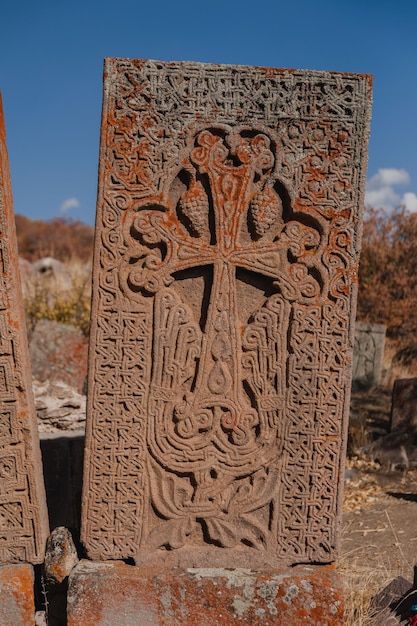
point(60, 559)
point(393, 604)
point(58, 353)
point(26, 276)
point(396, 449)
point(404, 406)
point(368, 353)
point(17, 605)
point(61, 556)
point(225, 269)
point(23, 514)
point(52, 273)
point(115, 594)
point(59, 407)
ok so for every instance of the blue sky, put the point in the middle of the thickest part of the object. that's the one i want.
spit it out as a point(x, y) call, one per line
point(51, 60)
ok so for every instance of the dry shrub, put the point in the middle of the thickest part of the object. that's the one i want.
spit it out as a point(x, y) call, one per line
point(45, 298)
point(61, 238)
point(358, 436)
point(387, 276)
point(400, 360)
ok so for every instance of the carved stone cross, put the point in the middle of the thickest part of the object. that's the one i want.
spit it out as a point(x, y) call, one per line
point(213, 432)
point(227, 244)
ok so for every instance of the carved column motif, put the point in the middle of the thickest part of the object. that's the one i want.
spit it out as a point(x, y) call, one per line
point(23, 512)
point(225, 255)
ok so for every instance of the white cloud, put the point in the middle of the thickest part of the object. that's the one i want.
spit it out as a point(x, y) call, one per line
point(409, 200)
point(69, 203)
point(387, 178)
point(383, 198)
point(380, 192)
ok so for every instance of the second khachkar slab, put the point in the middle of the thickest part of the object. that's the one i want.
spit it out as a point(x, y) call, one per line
point(23, 515)
point(224, 294)
point(368, 352)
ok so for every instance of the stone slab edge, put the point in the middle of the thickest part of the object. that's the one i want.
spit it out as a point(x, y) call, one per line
point(33, 495)
point(116, 594)
point(17, 606)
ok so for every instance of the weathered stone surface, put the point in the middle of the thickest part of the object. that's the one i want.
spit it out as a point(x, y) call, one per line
point(26, 275)
point(225, 270)
point(52, 273)
point(368, 353)
point(60, 559)
point(58, 407)
point(17, 605)
point(396, 449)
point(58, 353)
point(61, 555)
point(23, 515)
point(404, 406)
point(393, 604)
point(115, 594)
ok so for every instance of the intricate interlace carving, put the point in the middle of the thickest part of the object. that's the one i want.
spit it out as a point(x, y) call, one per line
point(227, 242)
point(23, 516)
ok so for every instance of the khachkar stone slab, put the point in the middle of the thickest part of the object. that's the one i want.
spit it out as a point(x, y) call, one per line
point(368, 353)
point(226, 257)
point(404, 406)
point(23, 514)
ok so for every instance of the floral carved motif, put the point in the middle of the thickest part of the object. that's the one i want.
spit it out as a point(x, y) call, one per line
point(226, 252)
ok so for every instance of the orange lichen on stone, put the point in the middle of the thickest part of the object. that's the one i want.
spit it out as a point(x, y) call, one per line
point(121, 595)
point(23, 505)
point(17, 606)
point(61, 555)
point(227, 241)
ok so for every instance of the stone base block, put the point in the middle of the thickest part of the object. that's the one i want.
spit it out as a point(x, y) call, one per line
point(115, 594)
point(17, 604)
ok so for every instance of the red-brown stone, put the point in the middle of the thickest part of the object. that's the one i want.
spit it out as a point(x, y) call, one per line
point(115, 594)
point(23, 514)
point(61, 555)
point(225, 271)
point(17, 606)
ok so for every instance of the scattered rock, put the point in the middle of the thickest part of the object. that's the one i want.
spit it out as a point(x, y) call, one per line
point(60, 557)
point(52, 272)
point(26, 275)
point(391, 605)
point(40, 618)
point(396, 449)
point(59, 353)
point(58, 407)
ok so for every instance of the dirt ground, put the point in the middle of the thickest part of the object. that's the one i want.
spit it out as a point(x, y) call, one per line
point(379, 533)
point(384, 523)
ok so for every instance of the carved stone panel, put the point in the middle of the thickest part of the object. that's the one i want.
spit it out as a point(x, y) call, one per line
point(226, 257)
point(368, 353)
point(404, 406)
point(23, 514)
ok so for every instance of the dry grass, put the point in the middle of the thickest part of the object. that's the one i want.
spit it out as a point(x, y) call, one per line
point(398, 362)
point(364, 578)
point(63, 297)
point(362, 581)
